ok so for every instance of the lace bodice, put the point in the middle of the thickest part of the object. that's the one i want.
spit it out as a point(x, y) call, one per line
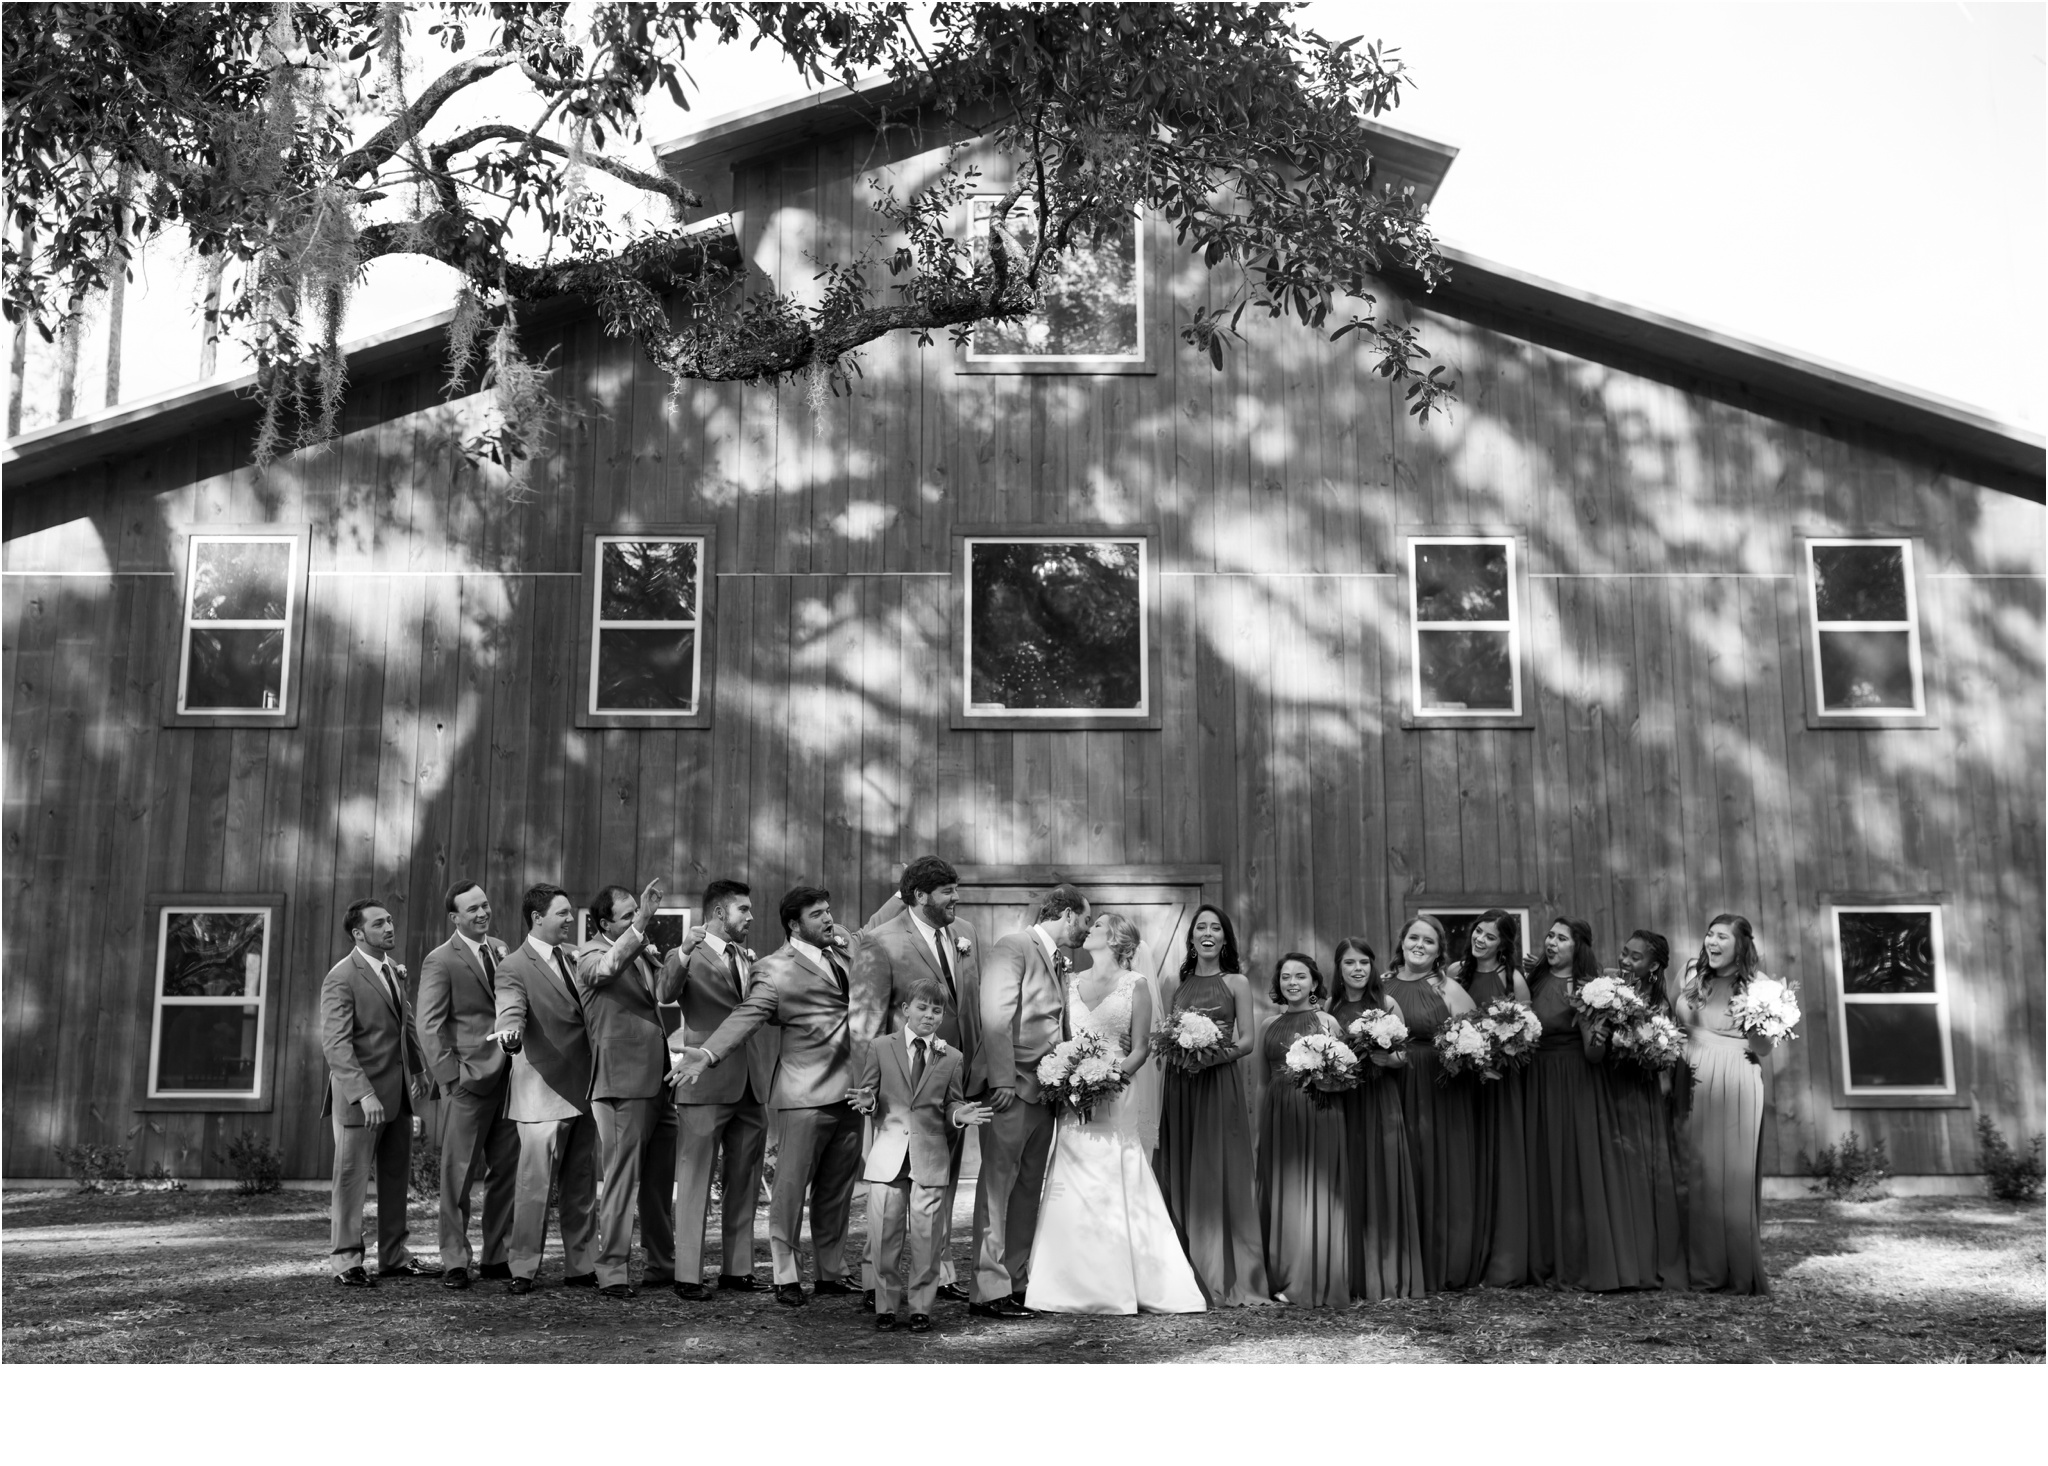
point(1113, 1017)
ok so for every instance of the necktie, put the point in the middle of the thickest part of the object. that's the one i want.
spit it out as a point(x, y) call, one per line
point(945, 966)
point(490, 969)
point(838, 973)
point(391, 984)
point(916, 1063)
point(562, 966)
point(732, 963)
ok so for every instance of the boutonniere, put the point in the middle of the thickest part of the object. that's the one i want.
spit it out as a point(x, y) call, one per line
point(962, 945)
point(839, 938)
point(748, 953)
point(938, 1046)
point(1062, 964)
point(399, 968)
point(498, 948)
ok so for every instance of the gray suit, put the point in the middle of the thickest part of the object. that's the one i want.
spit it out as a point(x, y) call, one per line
point(636, 1124)
point(548, 1098)
point(366, 1032)
point(1023, 1007)
point(457, 1009)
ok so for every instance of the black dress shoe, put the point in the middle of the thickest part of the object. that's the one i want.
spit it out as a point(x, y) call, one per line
point(455, 1277)
point(954, 1293)
point(833, 1288)
point(580, 1280)
point(519, 1285)
point(692, 1292)
point(790, 1295)
point(1001, 1308)
point(658, 1280)
point(867, 1298)
point(617, 1290)
point(495, 1271)
point(1018, 1299)
point(885, 1323)
point(737, 1283)
point(920, 1323)
point(355, 1277)
point(412, 1267)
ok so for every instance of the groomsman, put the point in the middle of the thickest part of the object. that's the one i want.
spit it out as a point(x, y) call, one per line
point(457, 1009)
point(1023, 1007)
point(802, 988)
point(541, 1025)
point(374, 1070)
point(725, 1110)
point(927, 940)
point(636, 1124)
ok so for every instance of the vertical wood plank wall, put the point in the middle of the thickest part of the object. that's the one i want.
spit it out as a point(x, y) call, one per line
point(1669, 773)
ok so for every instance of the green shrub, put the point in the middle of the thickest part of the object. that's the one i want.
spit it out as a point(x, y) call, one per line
point(1848, 1172)
point(95, 1165)
point(257, 1165)
point(2009, 1176)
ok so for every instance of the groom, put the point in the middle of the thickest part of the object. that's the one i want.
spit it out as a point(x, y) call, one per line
point(1023, 1002)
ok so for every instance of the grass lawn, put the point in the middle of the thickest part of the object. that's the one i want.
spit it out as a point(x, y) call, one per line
point(205, 1276)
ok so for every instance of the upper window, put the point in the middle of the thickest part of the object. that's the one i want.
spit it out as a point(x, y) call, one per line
point(1458, 921)
point(241, 599)
point(1465, 653)
point(645, 619)
point(1056, 631)
point(1863, 610)
point(1894, 1001)
point(212, 1000)
point(1091, 314)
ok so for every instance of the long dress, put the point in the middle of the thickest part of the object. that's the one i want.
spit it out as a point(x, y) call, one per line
point(1723, 1133)
point(1385, 1238)
point(1205, 1162)
point(1571, 1234)
point(1503, 1144)
point(1642, 1176)
point(1104, 1242)
point(1304, 1179)
point(1443, 1144)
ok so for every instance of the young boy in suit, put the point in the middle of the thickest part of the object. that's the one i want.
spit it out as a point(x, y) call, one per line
point(910, 1087)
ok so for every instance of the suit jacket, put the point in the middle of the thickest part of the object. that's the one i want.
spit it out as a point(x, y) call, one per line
point(801, 999)
point(894, 955)
point(1023, 1012)
point(915, 1123)
point(370, 1045)
point(626, 1035)
point(456, 1013)
point(703, 985)
point(550, 1076)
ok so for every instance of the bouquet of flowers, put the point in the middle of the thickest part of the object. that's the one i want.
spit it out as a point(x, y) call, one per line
point(1463, 1047)
point(1653, 1042)
point(1513, 1027)
point(1607, 1001)
point(1766, 1006)
point(1381, 1037)
point(1183, 1039)
point(1082, 1072)
point(1321, 1066)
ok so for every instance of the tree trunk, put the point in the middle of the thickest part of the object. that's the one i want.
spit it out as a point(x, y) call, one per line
point(117, 287)
point(17, 369)
point(209, 318)
point(67, 357)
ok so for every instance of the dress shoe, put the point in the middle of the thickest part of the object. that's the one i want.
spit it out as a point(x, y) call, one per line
point(692, 1292)
point(355, 1277)
point(519, 1285)
point(790, 1295)
point(495, 1271)
point(920, 1323)
point(1018, 1299)
point(737, 1283)
point(617, 1290)
point(412, 1267)
point(833, 1288)
point(455, 1277)
point(867, 1298)
point(657, 1280)
point(580, 1280)
point(1001, 1308)
point(954, 1293)
point(885, 1323)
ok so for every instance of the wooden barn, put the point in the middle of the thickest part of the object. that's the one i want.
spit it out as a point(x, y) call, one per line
point(1659, 624)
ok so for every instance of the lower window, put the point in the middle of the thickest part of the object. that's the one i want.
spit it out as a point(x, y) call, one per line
point(1894, 998)
point(212, 992)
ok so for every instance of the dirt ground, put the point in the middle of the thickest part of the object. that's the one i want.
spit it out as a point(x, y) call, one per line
point(206, 1276)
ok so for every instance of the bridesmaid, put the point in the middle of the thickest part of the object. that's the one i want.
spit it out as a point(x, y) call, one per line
point(1571, 1235)
point(1442, 1120)
point(1636, 1124)
point(1304, 1177)
point(1385, 1242)
point(1490, 969)
point(1205, 1143)
point(1723, 1132)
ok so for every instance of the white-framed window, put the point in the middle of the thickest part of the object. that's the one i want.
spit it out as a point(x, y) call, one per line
point(1892, 987)
point(1458, 922)
point(644, 645)
point(1864, 618)
point(1465, 627)
point(1091, 313)
point(208, 1028)
point(665, 931)
point(1055, 629)
point(235, 643)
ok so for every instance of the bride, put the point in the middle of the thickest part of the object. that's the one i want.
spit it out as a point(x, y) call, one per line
point(1105, 1242)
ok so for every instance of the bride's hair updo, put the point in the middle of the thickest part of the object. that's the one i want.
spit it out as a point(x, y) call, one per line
point(1123, 937)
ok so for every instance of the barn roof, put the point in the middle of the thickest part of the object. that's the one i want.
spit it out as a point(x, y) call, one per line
point(1765, 378)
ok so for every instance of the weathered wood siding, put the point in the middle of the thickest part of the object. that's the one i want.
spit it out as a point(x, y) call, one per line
point(1669, 773)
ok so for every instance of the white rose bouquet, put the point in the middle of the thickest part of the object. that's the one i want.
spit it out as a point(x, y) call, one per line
point(1514, 1028)
point(1606, 1002)
point(1653, 1043)
point(1767, 1006)
point(1322, 1066)
point(1082, 1072)
point(1380, 1036)
point(1184, 1040)
point(1463, 1047)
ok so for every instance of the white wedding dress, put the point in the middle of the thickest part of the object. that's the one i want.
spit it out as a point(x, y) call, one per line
point(1104, 1242)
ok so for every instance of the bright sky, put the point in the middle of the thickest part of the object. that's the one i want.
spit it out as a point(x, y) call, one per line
point(1861, 182)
